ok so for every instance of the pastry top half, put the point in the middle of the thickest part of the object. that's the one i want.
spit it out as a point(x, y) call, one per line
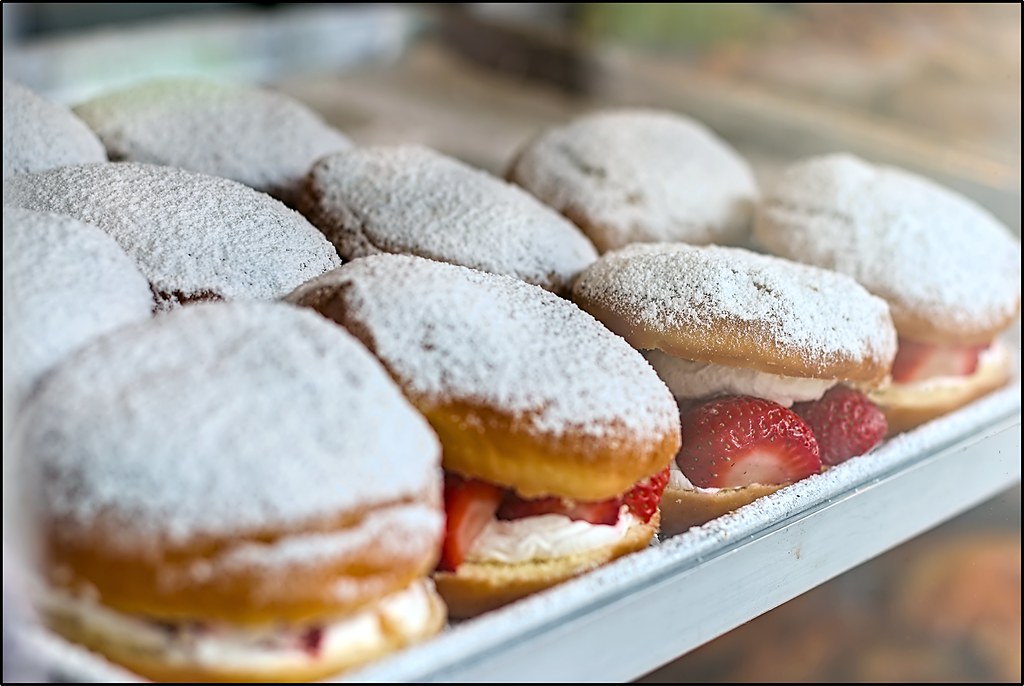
point(64, 283)
point(195, 237)
point(411, 200)
point(629, 176)
point(266, 140)
point(733, 307)
point(525, 390)
point(40, 135)
point(949, 270)
point(239, 462)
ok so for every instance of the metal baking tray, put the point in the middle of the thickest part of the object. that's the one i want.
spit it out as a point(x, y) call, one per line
point(380, 74)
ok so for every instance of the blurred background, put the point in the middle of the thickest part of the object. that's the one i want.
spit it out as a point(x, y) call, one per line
point(935, 88)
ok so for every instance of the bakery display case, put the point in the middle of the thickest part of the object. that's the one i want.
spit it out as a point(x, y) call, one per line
point(779, 83)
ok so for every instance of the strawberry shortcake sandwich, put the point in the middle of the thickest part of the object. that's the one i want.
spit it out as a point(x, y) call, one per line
point(949, 270)
point(765, 357)
point(556, 434)
point(232, 492)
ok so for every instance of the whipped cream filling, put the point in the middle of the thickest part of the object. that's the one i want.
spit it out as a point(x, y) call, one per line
point(231, 647)
point(690, 379)
point(545, 537)
point(677, 481)
point(992, 357)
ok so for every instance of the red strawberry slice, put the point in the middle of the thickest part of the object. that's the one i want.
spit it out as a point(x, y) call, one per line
point(645, 497)
point(599, 512)
point(845, 423)
point(919, 361)
point(469, 504)
point(741, 440)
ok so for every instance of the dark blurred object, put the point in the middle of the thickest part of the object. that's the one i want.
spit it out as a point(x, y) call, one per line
point(945, 607)
point(42, 18)
point(539, 46)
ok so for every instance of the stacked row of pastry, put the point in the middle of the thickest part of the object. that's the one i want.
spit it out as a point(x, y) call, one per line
point(261, 443)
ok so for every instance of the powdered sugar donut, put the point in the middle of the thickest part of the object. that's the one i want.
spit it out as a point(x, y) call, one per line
point(266, 140)
point(195, 237)
point(948, 269)
point(194, 529)
point(631, 176)
point(40, 135)
point(412, 200)
point(65, 283)
point(731, 307)
point(556, 433)
point(740, 339)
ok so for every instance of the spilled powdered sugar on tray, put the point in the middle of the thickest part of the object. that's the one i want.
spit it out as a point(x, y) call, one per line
point(226, 420)
point(451, 333)
point(260, 138)
point(193, 236)
point(931, 253)
point(412, 200)
point(668, 286)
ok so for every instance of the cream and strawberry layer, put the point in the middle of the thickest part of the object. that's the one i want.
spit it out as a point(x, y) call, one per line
point(924, 373)
point(487, 523)
point(690, 379)
point(227, 647)
point(546, 537)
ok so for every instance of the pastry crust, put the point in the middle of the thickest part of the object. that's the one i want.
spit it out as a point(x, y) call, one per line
point(160, 498)
point(523, 389)
point(475, 588)
point(732, 307)
point(411, 200)
point(154, 666)
point(633, 175)
point(949, 270)
point(682, 509)
point(193, 236)
point(907, 406)
point(488, 443)
point(264, 139)
point(220, 579)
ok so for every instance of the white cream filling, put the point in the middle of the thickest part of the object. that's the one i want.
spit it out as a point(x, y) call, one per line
point(229, 647)
point(689, 379)
point(677, 481)
point(545, 537)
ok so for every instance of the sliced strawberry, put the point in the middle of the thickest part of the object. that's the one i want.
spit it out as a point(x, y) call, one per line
point(741, 440)
point(845, 423)
point(645, 497)
point(599, 512)
point(919, 361)
point(469, 504)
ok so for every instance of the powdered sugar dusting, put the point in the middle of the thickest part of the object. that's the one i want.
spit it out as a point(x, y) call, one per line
point(263, 139)
point(64, 284)
point(224, 419)
point(39, 134)
point(668, 286)
point(412, 200)
point(642, 175)
point(928, 251)
point(192, 235)
point(450, 333)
